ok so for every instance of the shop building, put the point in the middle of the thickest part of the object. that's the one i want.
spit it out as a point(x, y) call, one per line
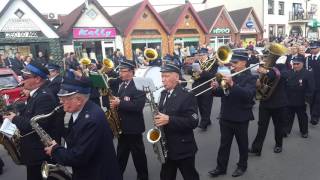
point(24, 29)
point(89, 32)
point(221, 29)
point(186, 27)
point(142, 27)
point(250, 30)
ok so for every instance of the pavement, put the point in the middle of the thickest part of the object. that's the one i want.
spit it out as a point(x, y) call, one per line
point(298, 161)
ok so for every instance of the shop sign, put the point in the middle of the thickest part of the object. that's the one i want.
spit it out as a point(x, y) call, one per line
point(20, 25)
point(20, 34)
point(221, 31)
point(245, 30)
point(249, 24)
point(88, 33)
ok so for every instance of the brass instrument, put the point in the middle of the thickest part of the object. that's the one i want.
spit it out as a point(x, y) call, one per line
point(156, 135)
point(48, 170)
point(85, 62)
point(111, 114)
point(222, 56)
point(266, 86)
point(10, 144)
point(150, 54)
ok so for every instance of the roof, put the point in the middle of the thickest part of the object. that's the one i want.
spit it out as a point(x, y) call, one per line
point(209, 16)
point(127, 18)
point(174, 16)
point(33, 9)
point(241, 15)
point(69, 20)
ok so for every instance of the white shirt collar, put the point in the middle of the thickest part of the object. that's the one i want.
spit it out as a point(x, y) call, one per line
point(52, 78)
point(32, 92)
point(76, 114)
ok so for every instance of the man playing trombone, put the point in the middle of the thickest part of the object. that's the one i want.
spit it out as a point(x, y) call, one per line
point(237, 93)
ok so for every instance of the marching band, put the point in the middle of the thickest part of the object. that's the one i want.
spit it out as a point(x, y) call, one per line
point(283, 85)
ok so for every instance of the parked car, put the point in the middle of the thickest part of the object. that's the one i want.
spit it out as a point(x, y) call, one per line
point(9, 86)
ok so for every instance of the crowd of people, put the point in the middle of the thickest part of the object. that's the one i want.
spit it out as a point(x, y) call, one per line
point(285, 83)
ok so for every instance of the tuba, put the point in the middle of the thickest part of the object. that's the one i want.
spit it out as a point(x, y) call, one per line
point(150, 54)
point(266, 86)
point(111, 114)
point(10, 144)
point(156, 135)
point(49, 170)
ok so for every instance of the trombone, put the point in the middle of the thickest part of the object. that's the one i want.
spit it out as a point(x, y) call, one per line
point(217, 76)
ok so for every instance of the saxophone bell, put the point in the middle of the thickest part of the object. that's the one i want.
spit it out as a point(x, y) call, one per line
point(154, 135)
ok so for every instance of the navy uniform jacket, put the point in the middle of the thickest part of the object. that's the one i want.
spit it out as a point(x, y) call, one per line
point(183, 118)
point(278, 98)
point(32, 149)
point(55, 84)
point(90, 151)
point(314, 66)
point(300, 87)
point(130, 109)
point(237, 105)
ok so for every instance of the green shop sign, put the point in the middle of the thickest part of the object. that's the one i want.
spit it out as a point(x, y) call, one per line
point(314, 23)
point(221, 31)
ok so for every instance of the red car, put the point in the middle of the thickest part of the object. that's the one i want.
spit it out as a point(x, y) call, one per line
point(9, 82)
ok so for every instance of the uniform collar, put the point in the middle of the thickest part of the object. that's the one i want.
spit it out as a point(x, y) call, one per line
point(32, 92)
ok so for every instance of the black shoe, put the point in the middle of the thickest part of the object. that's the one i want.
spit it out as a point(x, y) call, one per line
point(202, 127)
point(238, 172)
point(314, 120)
point(277, 149)
point(254, 153)
point(305, 135)
point(216, 172)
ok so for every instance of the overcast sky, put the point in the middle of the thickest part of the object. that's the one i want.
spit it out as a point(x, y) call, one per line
point(66, 6)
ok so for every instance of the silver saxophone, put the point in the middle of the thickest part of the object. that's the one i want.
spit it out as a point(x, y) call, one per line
point(156, 135)
point(56, 171)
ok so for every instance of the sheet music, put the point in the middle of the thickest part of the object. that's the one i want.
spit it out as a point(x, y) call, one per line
point(8, 128)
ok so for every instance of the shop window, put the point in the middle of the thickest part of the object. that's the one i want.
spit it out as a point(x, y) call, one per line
point(217, 41)
point(19, 13)
point(281, 30)
point(270, 6)
point(187, 31)
point(271, 30)
point(281, 8)
point(88, 49)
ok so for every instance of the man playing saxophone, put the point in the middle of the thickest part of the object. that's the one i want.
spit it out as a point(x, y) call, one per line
point(178, 117)
point(40, 101)
point(90, 151)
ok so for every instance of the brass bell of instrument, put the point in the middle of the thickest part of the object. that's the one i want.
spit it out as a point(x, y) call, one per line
point(277, 49)
point(85, 61)
point(150, 54)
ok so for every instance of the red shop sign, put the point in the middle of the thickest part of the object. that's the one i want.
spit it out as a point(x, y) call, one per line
point(87, 33)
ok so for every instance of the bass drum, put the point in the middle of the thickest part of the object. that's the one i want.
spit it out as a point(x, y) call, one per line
point(154, 74)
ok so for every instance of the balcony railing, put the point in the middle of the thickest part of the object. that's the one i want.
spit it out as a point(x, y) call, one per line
point(300, 17)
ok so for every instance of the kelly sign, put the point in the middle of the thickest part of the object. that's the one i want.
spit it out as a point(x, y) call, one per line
point(88, 33)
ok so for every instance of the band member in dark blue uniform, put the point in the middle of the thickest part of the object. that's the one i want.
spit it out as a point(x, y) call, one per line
point(273, 107)
point(237, 102)
point(313, 64)
point(40, 101)
point(300, 87)
point(54, 78)
point(90, 151)
point(130, 103)
point(204, 100)
point(178, 117)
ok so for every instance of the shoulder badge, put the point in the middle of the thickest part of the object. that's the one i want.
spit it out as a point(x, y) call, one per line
point(86, 116)
point(195, 116)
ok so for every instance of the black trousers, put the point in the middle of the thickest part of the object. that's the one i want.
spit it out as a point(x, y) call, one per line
point(228, 130)
point(186, 167)
point(132, 143)
point(315, 105)
point(34, 172)
point(302, 118)
point(1, 163)
point(278, 118)
point(205, 105)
